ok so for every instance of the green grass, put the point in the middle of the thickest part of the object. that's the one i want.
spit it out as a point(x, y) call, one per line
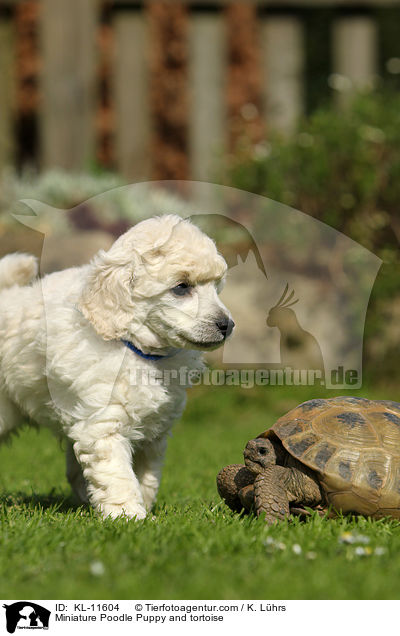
point(194, 547)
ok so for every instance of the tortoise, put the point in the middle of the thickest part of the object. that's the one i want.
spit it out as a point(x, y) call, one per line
point(342, 452)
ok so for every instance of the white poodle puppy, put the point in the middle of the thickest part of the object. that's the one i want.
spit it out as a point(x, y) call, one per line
point(87, 351)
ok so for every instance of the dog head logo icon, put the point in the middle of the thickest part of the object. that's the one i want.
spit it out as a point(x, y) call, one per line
point(26, 615)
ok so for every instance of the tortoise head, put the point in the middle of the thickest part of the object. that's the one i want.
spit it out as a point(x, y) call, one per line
point(259, 454)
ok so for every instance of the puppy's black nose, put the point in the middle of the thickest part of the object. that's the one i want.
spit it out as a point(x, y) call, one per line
point(225, 325)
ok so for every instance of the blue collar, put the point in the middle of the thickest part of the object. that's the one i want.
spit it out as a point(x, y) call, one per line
point(146, 356)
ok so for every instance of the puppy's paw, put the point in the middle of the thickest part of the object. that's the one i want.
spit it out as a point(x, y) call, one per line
point(149, 496)
point(128, 511)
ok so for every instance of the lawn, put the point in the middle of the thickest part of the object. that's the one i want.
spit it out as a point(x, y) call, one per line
point(193, 547)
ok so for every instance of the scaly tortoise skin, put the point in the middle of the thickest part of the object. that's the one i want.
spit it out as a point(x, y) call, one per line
point(341, 452)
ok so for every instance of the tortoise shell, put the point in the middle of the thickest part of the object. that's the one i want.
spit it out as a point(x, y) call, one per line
point(353, 445)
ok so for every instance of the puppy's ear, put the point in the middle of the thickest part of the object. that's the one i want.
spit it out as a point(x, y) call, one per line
point(106, 299)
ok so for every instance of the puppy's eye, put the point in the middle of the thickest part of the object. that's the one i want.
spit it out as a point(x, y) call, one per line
point(183, 289)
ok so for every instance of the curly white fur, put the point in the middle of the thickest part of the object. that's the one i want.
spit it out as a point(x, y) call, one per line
point(64, 365)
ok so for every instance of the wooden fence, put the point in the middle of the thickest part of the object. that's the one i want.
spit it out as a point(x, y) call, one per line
point(69, 59)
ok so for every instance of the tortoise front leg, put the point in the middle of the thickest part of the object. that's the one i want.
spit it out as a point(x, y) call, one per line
point(246, 496)
point(231, 480)
point(271, 496)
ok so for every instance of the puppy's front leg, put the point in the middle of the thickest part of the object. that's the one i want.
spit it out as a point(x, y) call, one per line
point(113, 488)
point(148, 460)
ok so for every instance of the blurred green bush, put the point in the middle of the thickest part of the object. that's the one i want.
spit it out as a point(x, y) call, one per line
point(343, 167)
